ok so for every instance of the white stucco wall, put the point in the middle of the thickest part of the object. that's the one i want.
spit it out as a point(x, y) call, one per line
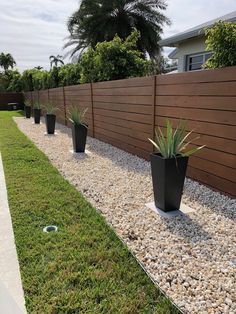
point(188, 47)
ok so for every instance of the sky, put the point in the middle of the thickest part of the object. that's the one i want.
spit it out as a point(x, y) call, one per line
point(32, 30)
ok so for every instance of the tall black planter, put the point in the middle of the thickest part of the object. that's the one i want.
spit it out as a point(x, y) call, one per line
point(27, 112)
point(168, 181)
point(50, 123)
point(37, 115)
point(79, 136)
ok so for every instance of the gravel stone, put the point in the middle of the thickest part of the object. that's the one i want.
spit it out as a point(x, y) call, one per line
point(192, 258)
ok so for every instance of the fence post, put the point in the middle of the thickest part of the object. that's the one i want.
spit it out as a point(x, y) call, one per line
point(31, 96)
point(92, 112)
point(64, 103)
point(153, 108)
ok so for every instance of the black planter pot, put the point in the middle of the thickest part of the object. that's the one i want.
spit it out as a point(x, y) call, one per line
point(50, 123)
point(79, 136)
point(168, 181)
point(37, 115)
point(27, 112)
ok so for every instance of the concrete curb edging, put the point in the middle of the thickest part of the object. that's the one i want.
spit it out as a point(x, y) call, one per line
point(10, 279)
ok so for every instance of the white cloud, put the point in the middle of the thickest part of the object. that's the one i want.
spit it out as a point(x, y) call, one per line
point(185, 14)
point(32, 30)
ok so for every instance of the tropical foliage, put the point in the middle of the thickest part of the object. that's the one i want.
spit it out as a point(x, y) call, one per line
point(173, 143)
point(117, 59)
point(56, 60)
point(221, 39)
point(101, 20)
point(6, 61)
point(34, 79)
point(69, 74)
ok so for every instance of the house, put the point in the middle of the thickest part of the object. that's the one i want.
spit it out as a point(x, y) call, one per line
point(190, 45)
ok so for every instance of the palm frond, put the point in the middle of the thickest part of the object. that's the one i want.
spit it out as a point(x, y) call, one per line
point(101, 20)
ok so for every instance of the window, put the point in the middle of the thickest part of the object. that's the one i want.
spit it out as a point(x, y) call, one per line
point(195, 62)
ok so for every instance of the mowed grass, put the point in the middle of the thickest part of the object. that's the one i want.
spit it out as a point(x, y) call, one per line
point(84, 267)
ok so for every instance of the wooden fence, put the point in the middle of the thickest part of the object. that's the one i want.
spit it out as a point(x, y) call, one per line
point(5, 98)
point(125, 113)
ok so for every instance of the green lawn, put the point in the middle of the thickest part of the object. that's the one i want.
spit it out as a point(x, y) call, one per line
point(84, 267)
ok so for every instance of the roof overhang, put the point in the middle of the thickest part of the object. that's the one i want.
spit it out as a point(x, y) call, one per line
point(197, 31)
point(173, 53)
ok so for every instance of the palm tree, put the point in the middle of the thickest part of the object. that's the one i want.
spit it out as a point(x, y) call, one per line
point(7, 61)
point(99, 20)
point(56, 60)
point(38, 67)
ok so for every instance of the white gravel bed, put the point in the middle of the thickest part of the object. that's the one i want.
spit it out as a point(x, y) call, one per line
point(192, 258)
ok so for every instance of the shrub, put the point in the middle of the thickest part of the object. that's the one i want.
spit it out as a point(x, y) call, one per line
point(113, 60)
point(69, 74)
point(221, 39)
point(15, 83)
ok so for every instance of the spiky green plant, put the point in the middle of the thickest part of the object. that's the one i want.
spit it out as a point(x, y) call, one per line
point(27, 103)
point(77, 115)
point(37, 105)
point(50, 108)
point(174, 143)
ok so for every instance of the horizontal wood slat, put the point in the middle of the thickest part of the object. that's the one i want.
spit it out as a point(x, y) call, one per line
point(123, 123)
point(131, 91)
point(199, 102)
point(217, 116)
point(211, 89)
point(133, 82)
point(120, 144)
point(144, 145)
point(129, 100)
point(211, 180)
point(216, 75)
point(142, 118)
point(123, 113)
point(123, 107)
point(218, 130)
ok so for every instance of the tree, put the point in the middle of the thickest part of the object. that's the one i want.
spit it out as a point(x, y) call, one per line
point(15, 82)
point(100, 20)
point(56, 60)
point(69, 74)
point(27, 80)
point(221, 39)
point(38, 67)
point(117, 59)
point(7, 61)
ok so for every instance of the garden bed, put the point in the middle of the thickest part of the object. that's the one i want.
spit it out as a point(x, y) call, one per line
point(192, 258)
point(81, 268)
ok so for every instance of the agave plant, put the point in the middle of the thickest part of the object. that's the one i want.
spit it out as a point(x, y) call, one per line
point(37, 105)
point(175, 142)
point(77, 115)
point(50, 108)
point(27, 103)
